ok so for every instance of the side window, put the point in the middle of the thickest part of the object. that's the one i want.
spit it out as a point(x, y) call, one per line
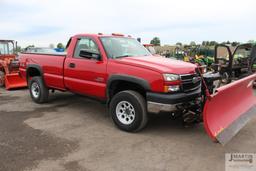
point(85, 44)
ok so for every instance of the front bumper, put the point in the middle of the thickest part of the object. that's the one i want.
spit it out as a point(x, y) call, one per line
point(157, 102)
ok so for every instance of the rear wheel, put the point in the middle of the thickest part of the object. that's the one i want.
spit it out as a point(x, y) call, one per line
point(2, 79)
point(38, 91)
point(128, 111)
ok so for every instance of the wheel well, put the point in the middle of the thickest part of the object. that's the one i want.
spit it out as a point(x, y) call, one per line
point(118, 86)
point(31, 72)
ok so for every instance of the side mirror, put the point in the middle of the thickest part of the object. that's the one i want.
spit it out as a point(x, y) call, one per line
point(89, 54)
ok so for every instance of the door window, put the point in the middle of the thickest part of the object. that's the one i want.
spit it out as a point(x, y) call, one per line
point(85, 44)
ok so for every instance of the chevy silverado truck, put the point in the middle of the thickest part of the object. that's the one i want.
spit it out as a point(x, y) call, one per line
point(119, 71)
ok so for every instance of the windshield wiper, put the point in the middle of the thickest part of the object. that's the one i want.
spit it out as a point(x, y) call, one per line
point(122, 56)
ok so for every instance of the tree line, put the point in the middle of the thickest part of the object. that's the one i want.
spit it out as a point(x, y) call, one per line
point(156, 41)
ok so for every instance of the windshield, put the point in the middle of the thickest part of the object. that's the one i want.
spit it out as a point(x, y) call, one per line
point(6, 48)
point(118, 47)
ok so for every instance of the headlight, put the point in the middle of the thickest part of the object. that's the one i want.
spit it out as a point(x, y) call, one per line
point(171, 77)
point(172, 83)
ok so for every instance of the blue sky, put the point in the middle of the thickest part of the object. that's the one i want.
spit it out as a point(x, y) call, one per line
point(47, 21)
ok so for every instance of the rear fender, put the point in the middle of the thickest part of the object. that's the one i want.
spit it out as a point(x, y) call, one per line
point(33, 66)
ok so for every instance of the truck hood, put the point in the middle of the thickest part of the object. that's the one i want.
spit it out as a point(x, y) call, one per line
point(159, 64)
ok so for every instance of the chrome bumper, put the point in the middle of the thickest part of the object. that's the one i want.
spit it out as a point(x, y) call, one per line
point(154, 107)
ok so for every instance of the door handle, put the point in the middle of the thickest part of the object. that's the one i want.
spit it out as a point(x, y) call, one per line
point(72, 65)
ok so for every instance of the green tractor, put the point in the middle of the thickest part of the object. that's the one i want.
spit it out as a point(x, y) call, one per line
point(203, 56)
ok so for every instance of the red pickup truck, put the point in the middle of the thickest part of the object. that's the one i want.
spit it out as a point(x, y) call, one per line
point(118, 70)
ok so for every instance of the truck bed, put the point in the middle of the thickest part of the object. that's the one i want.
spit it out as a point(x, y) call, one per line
point(51, 67)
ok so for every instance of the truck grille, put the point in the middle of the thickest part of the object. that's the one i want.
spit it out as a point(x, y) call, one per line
point(190, 82)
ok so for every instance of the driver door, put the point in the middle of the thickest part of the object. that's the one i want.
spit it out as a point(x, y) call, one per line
point(85, 75)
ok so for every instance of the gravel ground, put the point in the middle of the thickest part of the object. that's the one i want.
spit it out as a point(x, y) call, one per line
point(74, 133)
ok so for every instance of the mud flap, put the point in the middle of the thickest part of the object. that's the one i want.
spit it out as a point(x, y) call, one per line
point(13, 81)
point(230, 109)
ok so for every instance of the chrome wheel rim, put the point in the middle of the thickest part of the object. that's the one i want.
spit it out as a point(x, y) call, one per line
point(125, 112)
point(35, 90)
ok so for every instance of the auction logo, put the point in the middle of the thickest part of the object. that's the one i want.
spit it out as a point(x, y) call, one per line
point(240, 162)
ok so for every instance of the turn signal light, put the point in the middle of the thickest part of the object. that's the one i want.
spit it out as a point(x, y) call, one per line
point(172, 88)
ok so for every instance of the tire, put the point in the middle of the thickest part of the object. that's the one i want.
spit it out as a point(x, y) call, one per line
point(38, 91)
point(2, 79)
point(128, 111)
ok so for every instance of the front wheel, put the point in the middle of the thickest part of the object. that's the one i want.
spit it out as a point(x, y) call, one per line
point(128, 111)
point(38, 91)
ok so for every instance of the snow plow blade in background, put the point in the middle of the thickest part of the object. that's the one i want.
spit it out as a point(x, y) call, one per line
point(228, 111)
point(14, 81)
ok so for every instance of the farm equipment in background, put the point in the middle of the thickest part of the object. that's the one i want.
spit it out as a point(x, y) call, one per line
point(179, 54)
point(9, 66)
point(189, 53)
point(235, 65)
point(203, 56)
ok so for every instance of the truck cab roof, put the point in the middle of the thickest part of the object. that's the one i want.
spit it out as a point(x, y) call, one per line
point(102, 35)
